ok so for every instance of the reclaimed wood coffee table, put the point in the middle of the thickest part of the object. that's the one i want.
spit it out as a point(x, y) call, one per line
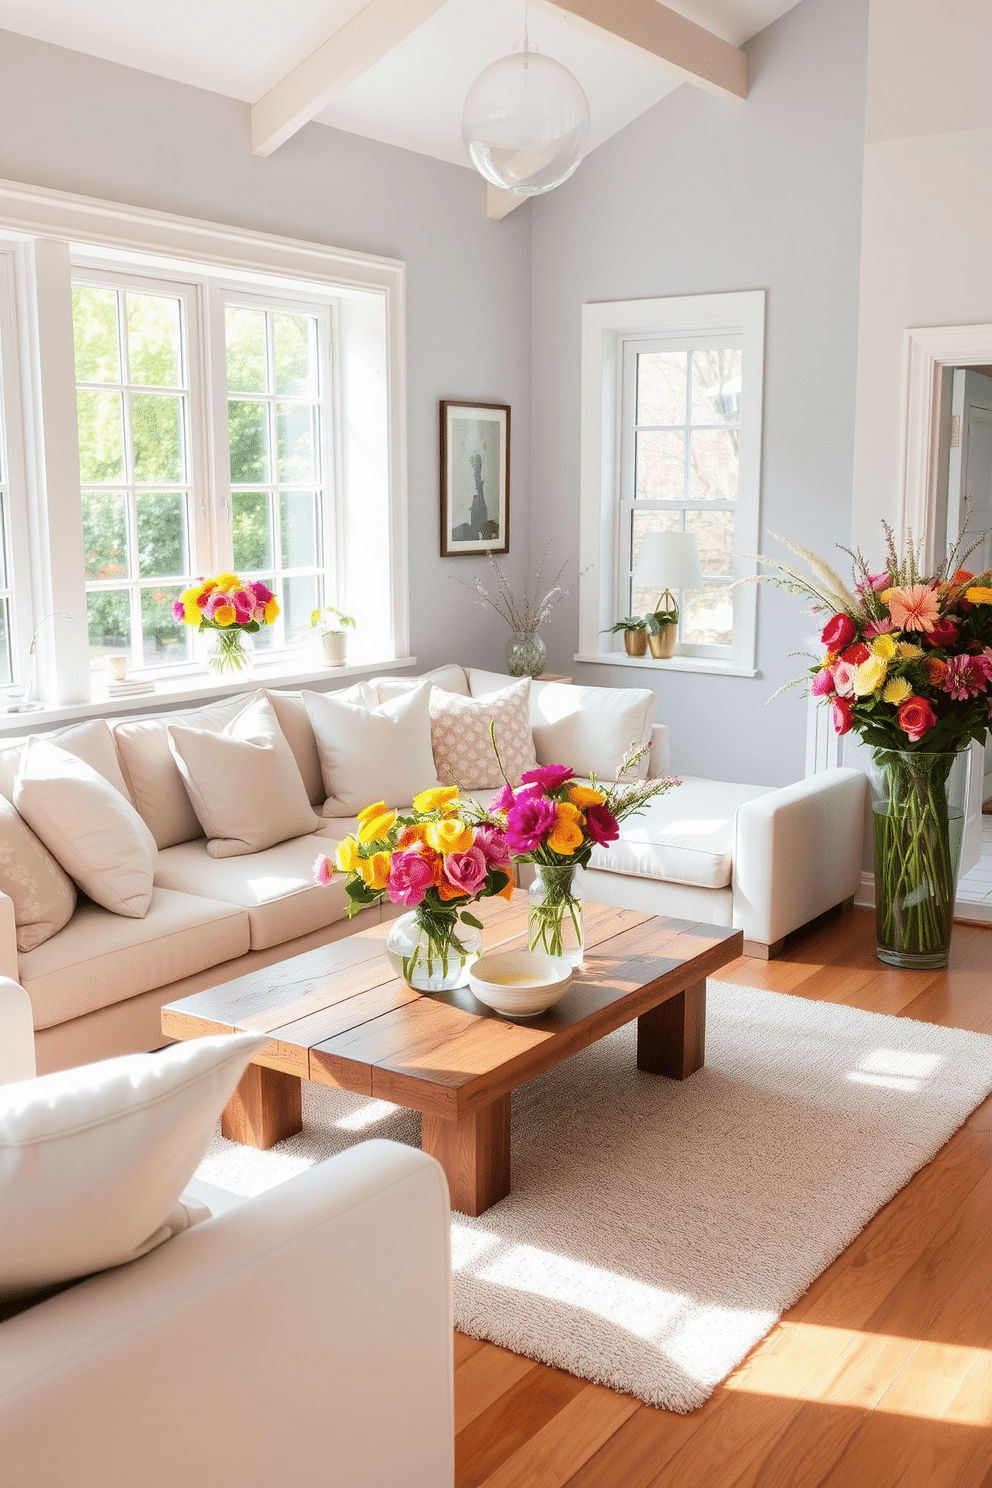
point(340, 1016)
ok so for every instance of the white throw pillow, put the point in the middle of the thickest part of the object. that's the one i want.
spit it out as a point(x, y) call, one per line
point(463, 749)
point(42, 893)
point(372, 754)
point(93, 1159)
point(243, 783)
point(92, 830)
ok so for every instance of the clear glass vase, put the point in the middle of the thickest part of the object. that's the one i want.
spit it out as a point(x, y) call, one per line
point(525, 655)
point(918, 809)
point(554, 916)
point(229, 652)
point(432, 952)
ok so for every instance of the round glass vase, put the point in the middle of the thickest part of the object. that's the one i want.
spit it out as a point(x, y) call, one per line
point(554, 915)
point(229, 653)
point(525, 655)
point(432, 952)
point(918, 806)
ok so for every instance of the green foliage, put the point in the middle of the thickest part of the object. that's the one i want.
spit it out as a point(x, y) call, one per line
point(632, 622)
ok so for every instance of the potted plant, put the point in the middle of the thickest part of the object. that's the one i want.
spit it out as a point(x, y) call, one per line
point(635, 634)
point(332, 627)
point(663, 629)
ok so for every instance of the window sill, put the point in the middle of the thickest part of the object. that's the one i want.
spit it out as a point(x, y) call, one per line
point(705, 664)
point(191, 687)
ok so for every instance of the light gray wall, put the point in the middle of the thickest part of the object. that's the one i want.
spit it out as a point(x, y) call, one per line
point(74, 123)
point(704, 195)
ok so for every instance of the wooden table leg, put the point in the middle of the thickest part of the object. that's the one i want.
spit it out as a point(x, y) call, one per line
point(671, 1038)
point(266, 1107)
point(474, 1153)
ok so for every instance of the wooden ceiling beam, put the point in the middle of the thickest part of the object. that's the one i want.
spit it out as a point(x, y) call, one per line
point(361, 42)
point(654, 31)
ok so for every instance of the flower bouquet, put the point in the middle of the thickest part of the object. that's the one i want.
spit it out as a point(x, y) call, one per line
point(907, 665)
point(228, 610)
point(555, 822)
point(446, 854)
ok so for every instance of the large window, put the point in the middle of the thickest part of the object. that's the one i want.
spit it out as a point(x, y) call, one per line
point(671, 443)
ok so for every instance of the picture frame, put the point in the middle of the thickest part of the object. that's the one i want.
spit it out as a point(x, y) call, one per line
point(475, 478)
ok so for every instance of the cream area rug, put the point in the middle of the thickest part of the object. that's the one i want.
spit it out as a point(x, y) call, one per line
point(656, 1230)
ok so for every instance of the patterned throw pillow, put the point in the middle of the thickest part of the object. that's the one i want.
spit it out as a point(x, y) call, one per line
point(463, 751)
point(43, 894)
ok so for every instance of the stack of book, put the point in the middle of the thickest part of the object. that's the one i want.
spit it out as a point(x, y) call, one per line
point(128, 688)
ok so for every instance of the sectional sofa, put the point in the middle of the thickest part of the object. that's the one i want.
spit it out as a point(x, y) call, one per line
point(215, 907)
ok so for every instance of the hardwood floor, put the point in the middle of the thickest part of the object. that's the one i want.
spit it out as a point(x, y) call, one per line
point(880, 1375)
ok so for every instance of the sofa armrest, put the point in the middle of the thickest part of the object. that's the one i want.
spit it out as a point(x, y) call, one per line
point(660, 758)
point(309, 1328)
point(16, 1033)
point(8, 938)
point(797, 853)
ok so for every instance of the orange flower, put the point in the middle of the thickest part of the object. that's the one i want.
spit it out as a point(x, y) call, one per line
point(225, 615)
point(566, 836)
point(375, 870)
point(584, 795)
point(446, 890)
point(506, 892)
point(935, 669)
point(410, 836)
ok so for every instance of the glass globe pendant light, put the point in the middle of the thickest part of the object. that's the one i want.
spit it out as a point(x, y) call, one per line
point(525, 123)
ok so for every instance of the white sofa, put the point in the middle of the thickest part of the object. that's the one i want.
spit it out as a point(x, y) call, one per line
point(311, 1325)
point(766, 860)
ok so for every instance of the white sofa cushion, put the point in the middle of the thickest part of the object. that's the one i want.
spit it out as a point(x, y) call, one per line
point(101, 958)
point(42, 893)
point(91, 742)
point(589, 728)
point(152, 775)
point(93, 1159)
point(685, 836)
point(93, 830)
point(450, 678)
point(244, 784)
point(372, 754)
point(460, 738)
point(275, 886)
point(291, 712)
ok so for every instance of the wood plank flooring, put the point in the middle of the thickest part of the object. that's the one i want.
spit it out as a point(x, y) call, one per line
point(881, 1375)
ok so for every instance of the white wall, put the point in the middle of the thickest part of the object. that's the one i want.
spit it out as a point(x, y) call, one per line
point(77, 124)
point(926, 255)
point(704, 195)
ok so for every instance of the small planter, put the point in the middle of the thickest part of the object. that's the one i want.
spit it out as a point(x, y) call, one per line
point(635, 642)
point(335, 647)
point(662, 641)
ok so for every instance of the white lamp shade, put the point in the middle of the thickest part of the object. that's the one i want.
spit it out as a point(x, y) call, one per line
point(668, 560)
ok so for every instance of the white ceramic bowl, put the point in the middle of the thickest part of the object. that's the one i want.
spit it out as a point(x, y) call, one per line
point(519, 984)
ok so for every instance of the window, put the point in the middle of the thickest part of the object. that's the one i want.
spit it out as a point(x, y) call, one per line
point(671, 442)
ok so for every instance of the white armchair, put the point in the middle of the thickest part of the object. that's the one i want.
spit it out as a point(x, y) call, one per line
point(305, 1330)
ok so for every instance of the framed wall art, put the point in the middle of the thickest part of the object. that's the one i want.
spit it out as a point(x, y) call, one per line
point(475, 478)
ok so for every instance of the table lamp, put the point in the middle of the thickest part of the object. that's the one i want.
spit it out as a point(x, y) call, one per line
point(668, 561)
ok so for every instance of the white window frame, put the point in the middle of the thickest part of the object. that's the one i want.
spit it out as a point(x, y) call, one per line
point(60, 236)
point(608, 327)
point(15, 535)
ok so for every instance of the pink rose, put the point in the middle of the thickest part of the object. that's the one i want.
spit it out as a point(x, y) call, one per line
point(322, 870)
point(843, 712)
point(838, 632)
point(878, 627)
point(215, 599)
point(822, 684)
point(549, 777)
point(601, 824)
point(844, 679)
point(410, 877)
point(244, 605)
point(528, 822)
point(261, 591)
point(466, 870)
point(492, 842)
point(178, 609)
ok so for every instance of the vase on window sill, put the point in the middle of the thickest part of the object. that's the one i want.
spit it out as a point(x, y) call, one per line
point(229, 652)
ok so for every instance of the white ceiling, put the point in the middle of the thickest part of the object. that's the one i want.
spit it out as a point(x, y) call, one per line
point(413, 97)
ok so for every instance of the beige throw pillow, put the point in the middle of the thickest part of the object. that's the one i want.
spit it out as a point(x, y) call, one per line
point(243, 783)
point(43, 894)
point(463, 750)
point(93, 831)
point(372, 754)
point(93, 1159)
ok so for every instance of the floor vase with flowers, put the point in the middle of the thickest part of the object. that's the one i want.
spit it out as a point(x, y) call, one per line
point(918, 814)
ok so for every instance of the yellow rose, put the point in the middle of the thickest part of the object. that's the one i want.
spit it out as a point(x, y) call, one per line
point(884, 646)
point(346, 857)
point(224, 615)
point(979, 595)
point(375, 870)
point(225, 581)
point(271, 611)
point(449, 835)
point(375, 828)
point(378, 808)
point(438, 798)
point(869, 676)
point(909, 652)
point(896, 691)
point(584, 795)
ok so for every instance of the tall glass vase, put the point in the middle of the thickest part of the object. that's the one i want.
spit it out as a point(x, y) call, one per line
point(432, 952)
point(554, 918)
point(918, 811)
point(229, 652)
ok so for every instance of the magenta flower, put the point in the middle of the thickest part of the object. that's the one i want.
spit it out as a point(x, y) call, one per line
point(215, 599)
point(966, 677)
point(822, 684)
point(409, 878)
point(244, 605)
point(261, 591)
point(528, 822)
point(601, 824)
point(466, 870)
point(504, 800)
point(492, 843)
point(322, 870)
point(178, 609)
point(548, 777)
